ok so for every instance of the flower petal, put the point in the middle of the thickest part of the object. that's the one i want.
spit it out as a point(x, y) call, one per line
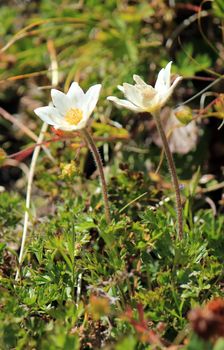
point(167, 74)
point(75, 94)
point(176, 81)
point(151, 99)
point(72, 127)
point(125, 103)
point(90, 100)
point(169, 92)
point(163, 81)
point(80, 125)
point(139, 80)
point(121, 88)
point(133, 94)
point(159, 85)
point(60, 101)
point(49, 115)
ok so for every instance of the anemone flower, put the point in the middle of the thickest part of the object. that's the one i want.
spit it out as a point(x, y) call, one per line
point(71, 111)
point(142, 97)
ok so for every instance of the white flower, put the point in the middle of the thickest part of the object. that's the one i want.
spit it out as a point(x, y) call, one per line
point(142, 97)
point(70, 111)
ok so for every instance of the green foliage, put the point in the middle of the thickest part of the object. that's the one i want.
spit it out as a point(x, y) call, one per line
point(128, 262)
point(218, 8)
point(188, 64)
point(200, 344)
point(83, 40)
point(128, 343)
point(219, 344)
point(7, 18)
point(10, 210)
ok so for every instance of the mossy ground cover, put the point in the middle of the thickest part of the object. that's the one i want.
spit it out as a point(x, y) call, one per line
point(130, 284)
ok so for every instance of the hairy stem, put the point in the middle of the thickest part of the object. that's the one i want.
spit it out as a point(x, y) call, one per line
point(90, 142)
point(173, 173)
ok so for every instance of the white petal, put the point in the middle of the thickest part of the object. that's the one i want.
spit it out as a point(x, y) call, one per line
point(80, 125)
point(167, 74)
point(133, 94)
point(159, 85)
point(169, 92)
point(163, 80)
point(90, 100)
point(71, 127)
point(75, 94)
point(64, 127)
point(153, 104)
point(121, 88)
point(139, 80)
point(125, 103)
point(60, 101)
point(176, 81)
point(49, 114)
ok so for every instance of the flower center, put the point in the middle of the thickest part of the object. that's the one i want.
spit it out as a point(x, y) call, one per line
point(150, 98)
point(149, 93)
point(74, 116)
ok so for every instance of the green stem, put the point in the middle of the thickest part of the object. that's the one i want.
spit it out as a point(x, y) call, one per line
point(173, 172)
point(90, 142)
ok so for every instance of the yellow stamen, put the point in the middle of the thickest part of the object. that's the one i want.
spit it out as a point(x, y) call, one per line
point(74, 116)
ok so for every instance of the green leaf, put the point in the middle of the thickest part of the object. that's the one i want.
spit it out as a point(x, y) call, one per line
point(128, 343)
point(219, 345)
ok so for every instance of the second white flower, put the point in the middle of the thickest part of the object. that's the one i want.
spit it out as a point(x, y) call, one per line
point(142, 97)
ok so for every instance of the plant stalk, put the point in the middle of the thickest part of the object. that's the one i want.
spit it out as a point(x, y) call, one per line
point(173, 173)
point(90, 142)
